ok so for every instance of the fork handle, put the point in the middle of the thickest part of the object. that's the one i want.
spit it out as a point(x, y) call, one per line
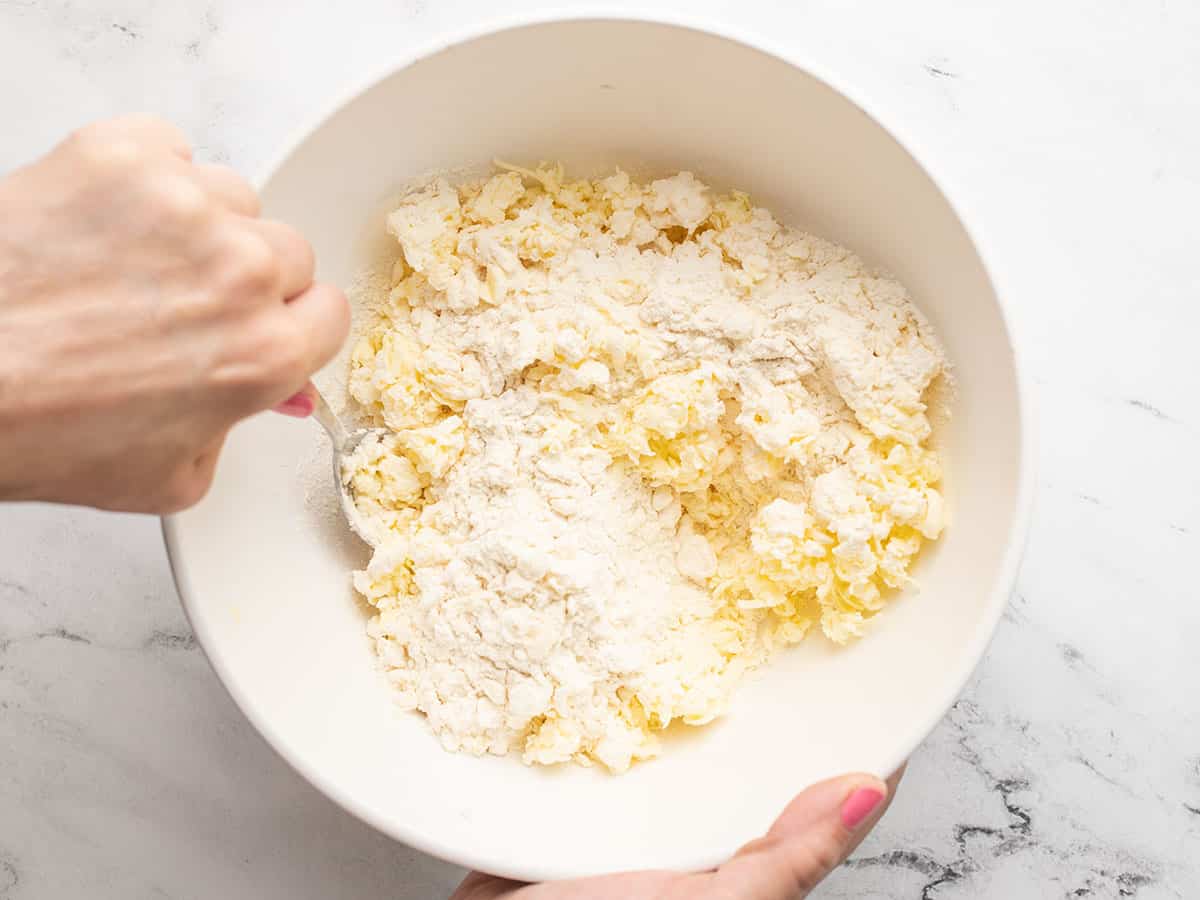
point(328, 420)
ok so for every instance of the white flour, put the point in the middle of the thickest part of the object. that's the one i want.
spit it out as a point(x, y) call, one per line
point(547, 580)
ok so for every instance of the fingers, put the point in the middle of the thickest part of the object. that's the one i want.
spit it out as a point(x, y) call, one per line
point(300, 405)
point(294, 259)
point(228, 188)
point(323, 317)
point(809, 840)
point(477, 886)
point(816, 805)
point(283, 269)
point(293, 253)
point(815, 833)
point(625, 886)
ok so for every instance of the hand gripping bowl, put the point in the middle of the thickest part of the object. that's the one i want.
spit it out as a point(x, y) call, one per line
point(264, 578)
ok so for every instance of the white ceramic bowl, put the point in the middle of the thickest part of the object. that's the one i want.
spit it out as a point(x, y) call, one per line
point(264, 579)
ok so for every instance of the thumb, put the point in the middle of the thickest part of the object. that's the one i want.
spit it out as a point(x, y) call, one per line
point(809, 840)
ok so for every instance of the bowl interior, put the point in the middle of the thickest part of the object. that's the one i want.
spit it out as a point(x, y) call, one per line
point(263, 562)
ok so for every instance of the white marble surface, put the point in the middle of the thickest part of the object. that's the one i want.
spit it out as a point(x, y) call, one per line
point(1070, 132)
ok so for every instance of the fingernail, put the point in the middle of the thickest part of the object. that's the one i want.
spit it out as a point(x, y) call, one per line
point(859, 805)
point(297, 405)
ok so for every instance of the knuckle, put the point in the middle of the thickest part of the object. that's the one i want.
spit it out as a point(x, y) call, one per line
point(148, 132)
point(103, 151)
point(817, 861)
point(250, 265)
point(87, 136)
point(294, 252)
point(180, 201)
point(247, 196)
point(164, 134)
point(149, 122)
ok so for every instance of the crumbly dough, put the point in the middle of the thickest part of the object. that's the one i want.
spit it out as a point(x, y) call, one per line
point(641, 436)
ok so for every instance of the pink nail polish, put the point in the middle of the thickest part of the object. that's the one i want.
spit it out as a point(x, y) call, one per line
point(297, 405)
point(859, 805)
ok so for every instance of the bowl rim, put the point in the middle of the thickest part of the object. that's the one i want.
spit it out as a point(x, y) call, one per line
point(706, 857)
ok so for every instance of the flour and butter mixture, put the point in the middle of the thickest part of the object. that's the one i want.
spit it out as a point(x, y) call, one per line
point(641, 436)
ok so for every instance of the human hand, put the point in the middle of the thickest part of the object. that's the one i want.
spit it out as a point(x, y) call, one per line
point(144, 309)
point(812, 837)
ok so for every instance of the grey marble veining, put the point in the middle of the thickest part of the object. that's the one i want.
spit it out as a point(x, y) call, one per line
point(1069, 133)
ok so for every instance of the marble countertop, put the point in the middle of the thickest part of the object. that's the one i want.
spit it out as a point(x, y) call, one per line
point(1069, 131)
